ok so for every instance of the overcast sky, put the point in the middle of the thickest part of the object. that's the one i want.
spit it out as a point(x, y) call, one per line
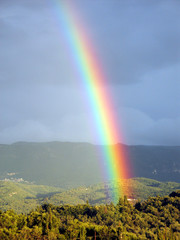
point(138, 43)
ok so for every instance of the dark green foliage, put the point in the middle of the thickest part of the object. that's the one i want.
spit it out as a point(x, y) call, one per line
point(156, 218)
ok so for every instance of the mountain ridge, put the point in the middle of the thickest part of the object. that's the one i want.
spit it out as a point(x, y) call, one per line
point(69, 164)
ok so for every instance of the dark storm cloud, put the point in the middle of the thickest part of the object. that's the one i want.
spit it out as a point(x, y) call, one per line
point(132, 38)
point(41, 96)
point(138, 36)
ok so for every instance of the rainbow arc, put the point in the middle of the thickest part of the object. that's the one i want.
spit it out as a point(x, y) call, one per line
point(94, 82)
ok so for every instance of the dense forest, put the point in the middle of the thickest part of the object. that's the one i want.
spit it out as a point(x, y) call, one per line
point(155, 218)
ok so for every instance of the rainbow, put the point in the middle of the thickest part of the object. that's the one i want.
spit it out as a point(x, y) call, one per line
point(94, 81)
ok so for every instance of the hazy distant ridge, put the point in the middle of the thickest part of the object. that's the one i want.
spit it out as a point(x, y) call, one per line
point(68, 164)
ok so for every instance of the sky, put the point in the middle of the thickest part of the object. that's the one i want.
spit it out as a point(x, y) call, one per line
point(138, 44)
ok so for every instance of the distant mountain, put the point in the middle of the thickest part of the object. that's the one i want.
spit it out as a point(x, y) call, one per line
point(157, 162)
point(66, 164)
point(23, 197)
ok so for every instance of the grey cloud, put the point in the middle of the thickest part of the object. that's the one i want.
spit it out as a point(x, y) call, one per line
point(139, 128)
point(133, 125)
point(78, 127)
point(41, 95)
point(164, 132)
point(157, 94)
point(48, 103)
point(29, 130)
point(70, 128)
point(34, 4)
point(32, 49)
point(137, 37)
point(44, 113)
point(131, 39)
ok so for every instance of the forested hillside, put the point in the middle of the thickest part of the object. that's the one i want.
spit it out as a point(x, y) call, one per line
point(155, 218)
point(68, 165)
point(22, 197)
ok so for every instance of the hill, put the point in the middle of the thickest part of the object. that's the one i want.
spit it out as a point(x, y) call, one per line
point(68, 165)
point(22, 197)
